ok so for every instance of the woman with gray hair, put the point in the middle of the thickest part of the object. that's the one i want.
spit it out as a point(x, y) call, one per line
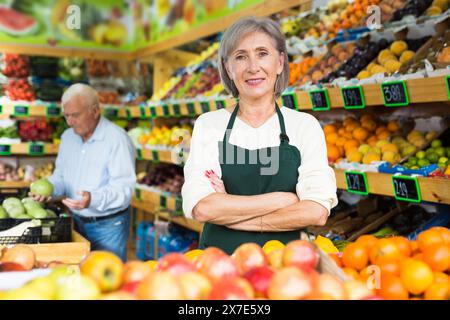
point(256, 171)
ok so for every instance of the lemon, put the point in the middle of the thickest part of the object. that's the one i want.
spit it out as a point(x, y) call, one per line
point(272, 245)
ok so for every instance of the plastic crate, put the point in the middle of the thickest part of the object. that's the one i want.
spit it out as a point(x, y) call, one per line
point(51, 230)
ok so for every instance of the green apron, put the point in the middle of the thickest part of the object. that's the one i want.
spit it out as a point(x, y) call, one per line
point(245, 178)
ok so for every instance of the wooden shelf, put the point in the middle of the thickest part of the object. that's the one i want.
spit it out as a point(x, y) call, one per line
point(164, 156)
point(43, 149)
point(157, 200)
point(431, 189)
point(14, 184)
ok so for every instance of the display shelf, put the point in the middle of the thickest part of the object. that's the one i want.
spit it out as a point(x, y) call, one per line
point(14, 184)
point(164, 156)
point(159, 200)
point(431, 189)
point(29, 149)
point(150, 207)
point(30, 109)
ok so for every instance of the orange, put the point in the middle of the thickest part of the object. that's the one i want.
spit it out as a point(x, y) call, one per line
point(384, 250)
point(341, 131)
point(351, 127)
point(352, 273)
point(331, 137)
point(380, 129)
point(438, 291)
point(351, 144)
point(445, 233)
point(414, 246)
point(383, 135)
point(372, 141)
point(440, 277)
point(360, 134)
point(336, 259)
point(367, 241)
point(355, 256)
point(348, 135)
point(329, 128)
point(403, 244)
point(418, 256)
point(437, 256)
point(370, 125)
point(389, 267)
point(416, 276)
point(429, 237)
point(392, 288)
point(393, 126)
point(332, 153)
point(340, 142)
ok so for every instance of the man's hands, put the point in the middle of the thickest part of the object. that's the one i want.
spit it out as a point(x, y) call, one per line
point(38, 198)
point(83, 203)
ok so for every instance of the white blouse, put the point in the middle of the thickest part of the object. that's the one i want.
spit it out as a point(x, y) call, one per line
point(316, 180)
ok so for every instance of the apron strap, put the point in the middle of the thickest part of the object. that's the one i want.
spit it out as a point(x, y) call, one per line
point(284, 139)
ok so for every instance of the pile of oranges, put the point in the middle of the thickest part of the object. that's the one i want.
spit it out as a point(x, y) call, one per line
point(345, 138)
point(407, 269)
point(299, 69)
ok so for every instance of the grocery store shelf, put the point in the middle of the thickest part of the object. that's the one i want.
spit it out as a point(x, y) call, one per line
point(29, 149)
point(431, 189)
point(30, 109)
point(14, 184)
point(164, 156)
point(158, 200)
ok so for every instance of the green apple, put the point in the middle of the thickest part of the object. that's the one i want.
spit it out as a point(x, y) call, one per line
point(77, 287)
point(423, 163)
point(3, 213)
point(44, 286)
point(443, 161)
point(433, 157)
point(421, 155)
point(436, 143)
point(440, 151)
point(412, 160)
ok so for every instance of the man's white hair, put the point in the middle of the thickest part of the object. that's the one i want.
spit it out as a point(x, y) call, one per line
point(89, 95)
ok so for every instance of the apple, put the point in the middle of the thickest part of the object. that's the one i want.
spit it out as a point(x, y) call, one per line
point(290, 283)
point(300, 253)
point(20, 254)
point(175, 263)
point(216, 264)
point(23, 293)
point(11, 266)
point(118, 295)
point(131, 287)
point(229, 288)
point(195, 286)
point(105, 268)
point(276, 258)
point(77, 287)
point(357, 290)
point(329, 287)
point(44, 286)
point(160, 286)
point(248, 256)
point(135, 271)
point(259, 278)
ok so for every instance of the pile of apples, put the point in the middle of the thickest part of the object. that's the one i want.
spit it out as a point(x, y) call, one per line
point(275, 271)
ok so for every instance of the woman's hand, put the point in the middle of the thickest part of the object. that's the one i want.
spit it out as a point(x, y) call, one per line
point(215, 181)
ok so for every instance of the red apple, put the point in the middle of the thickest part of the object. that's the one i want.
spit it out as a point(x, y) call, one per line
point(248, 256)
point(105, 268)
point(160, 286)
point(131, 287)
point(195, 286)
point(300, 253)
point(20, 254)
point(11, 266)
point(135, 271)
point(229, 288)
point(175, 263)
point(329, 287)
point(216, 264)
point(290, 283)
point(260, 278)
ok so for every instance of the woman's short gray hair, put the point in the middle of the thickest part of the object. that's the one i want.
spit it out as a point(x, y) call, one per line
point(90, 96)
point(241, 28)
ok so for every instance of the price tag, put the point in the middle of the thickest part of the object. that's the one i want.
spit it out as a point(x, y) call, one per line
point(111, 113)
point(191, 109)
point(21, 111)
point(395, 94)
point(5, 149)
point(163, 201)
point(155, 155)
point(205, 106)
point(319, 100)
point(178, 205)
point(153, 114)
point(220, 104)
point(137, 193)
point(290, 100)
point(176, 110)
point(139, 153)
point(447, 81)
point(53, 111)
point(353, 97)
point(1, 109)
point(166, 112)
point(128, 113)
point(142, 112)
point(36, 149)
point(356, 182)
point(406, 188)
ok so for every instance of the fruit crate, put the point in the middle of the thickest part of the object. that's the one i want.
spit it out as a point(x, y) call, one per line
point(52, 230)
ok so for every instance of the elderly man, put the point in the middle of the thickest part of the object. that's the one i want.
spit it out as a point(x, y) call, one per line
point(95, 172)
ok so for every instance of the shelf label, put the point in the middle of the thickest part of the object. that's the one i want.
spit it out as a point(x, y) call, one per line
point(53, 111)
point(36, 149)
point(137, 193)
point(191, 109)
point(5, 149)
point(395, 93)
point(178, 205)
point(220, 104)
point(447, 81)
point(353, 97)
point(290, 100)
point(139, 153)
point(319, 100)
point(166, 111)
point(128, 113)
point(1, 109)
point(205, 106)
point(406, 188)
point(176, 110)
point(356, 182)
point(155, 155)
point(142, 113)
point(111, 113)
point(21, 111)
point(163, 201)
point(153, 114)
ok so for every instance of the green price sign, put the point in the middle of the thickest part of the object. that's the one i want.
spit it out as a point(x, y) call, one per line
point(353, 97)
point(220, 104)
point(163, 201)
point(395, 93)
point(21, 111)
point(290, 100)
point(139, 153)
point(319, 100)
point(205, 106)
point(356, 182)
point(111, 112)
point(176, 110)
point(52, 111)
point(178, 205)
point(1, 109)
point(166, 111)
point(153, 114)
point(191, 109)
point(142, 113)
point(128, 112)
point(447, 82)
point(155, 155)
point(137, 193)
point(35, 149)
point(5, 150)
point(406, 188)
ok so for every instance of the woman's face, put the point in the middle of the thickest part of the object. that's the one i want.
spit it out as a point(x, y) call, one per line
point(254, 65)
